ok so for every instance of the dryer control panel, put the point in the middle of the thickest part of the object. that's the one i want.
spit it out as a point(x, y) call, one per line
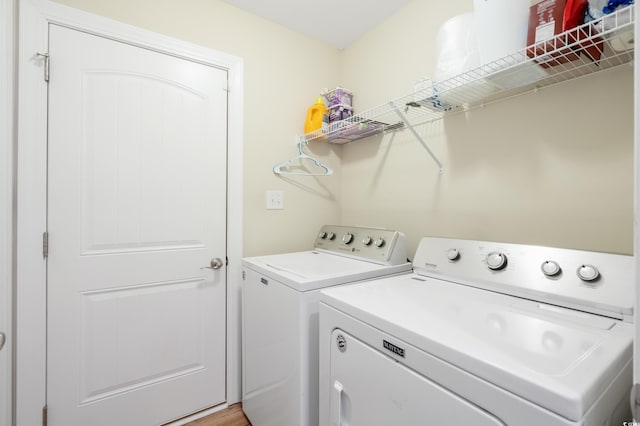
point(378, 245)
point(595, 282)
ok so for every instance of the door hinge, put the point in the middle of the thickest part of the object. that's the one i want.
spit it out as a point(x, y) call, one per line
point(45, 244)
point(635, 401)
point(44, 415)
point(244, 274)
point(45, 58)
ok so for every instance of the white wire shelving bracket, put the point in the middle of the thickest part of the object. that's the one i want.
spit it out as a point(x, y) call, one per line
point(593, 47)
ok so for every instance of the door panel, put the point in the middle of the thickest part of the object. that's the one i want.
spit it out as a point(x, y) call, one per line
point(106, 372)
point(136, 208)
point(152, 199)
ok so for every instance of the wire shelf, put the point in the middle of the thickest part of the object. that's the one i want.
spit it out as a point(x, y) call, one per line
point(590, 48)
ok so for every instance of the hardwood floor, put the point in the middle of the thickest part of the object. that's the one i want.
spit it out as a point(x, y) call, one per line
point(232, 416)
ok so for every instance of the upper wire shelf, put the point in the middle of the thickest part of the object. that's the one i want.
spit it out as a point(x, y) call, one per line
point(590, 48)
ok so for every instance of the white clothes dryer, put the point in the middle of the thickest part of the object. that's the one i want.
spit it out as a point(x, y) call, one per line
point(481, 333)
point(280, 316)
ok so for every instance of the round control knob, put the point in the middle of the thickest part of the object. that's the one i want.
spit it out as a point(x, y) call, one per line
point(322, 235)
point(379, 242)
point(550, 268)
point(366, 240)
point(496, 261)
point(453, 254)
point(331, 236)
point(588, 273)
point(347, 238)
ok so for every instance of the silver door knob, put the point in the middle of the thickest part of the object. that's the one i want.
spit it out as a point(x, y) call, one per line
point(2, 339)
point(216, 263)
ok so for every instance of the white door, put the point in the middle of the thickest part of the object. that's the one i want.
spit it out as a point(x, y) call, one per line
point(136, 209)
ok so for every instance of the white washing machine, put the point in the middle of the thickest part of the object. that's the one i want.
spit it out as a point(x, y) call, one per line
point(481, 333)
point(280, 316)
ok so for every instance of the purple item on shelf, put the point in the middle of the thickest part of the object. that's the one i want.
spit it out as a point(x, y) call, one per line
point(339, 112)
point(338, 96)
point(352, 132)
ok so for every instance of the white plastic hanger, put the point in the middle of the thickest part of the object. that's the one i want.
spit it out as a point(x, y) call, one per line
point(296, 166)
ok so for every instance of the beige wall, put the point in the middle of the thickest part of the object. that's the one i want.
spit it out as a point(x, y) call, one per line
point(551, 168)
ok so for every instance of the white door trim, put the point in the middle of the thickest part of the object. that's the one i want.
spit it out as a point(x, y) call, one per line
point(635, 403)
point(7, 90)
point(35, 16)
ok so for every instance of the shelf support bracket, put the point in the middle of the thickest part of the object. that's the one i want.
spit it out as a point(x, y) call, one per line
point(417, 136)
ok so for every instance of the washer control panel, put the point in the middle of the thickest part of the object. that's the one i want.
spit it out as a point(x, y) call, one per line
point(379, 245)
point(592, 281)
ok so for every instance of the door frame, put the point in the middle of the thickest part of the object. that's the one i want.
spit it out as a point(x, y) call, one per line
point(635, 393)
point(35, 17)
point(7, 149)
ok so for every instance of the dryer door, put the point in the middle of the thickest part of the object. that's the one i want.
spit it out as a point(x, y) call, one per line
point(369, 388)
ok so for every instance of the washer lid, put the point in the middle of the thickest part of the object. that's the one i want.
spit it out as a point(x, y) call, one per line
point(561, 359)
point(310, 270)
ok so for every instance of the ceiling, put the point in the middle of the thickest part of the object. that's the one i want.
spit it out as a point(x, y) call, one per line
point(335, 22)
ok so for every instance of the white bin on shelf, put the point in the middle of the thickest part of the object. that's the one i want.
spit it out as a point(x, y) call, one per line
point(456, 47)
point(501, 27)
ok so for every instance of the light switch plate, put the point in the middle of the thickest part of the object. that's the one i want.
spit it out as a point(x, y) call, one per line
point(275, 200)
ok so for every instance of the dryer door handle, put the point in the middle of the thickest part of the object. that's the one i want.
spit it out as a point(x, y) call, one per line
point(336, 404)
